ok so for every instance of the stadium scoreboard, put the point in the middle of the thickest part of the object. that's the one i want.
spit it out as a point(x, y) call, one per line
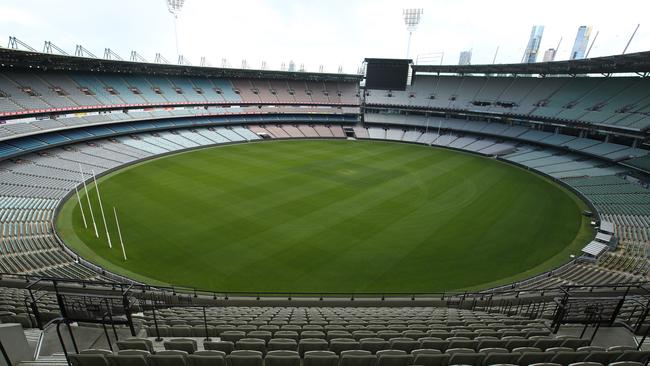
point(387, 74)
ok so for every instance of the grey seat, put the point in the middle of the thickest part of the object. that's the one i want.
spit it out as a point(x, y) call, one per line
point(635, 356)
point(181, 331)
point(251, 344)
point(496, 358)
point(405, 344)
point(462, 343)
point(361, 334)
point(565, 358)
point(433, 343)
point(96, 351)
point(453, 351)
point(467, 358)
point(311, 334)
point(320, 358)
point(290, 334)
point(207, 358)
point(92, 359)
point(603, 357)
point(181, 344)
point(312, 344)
point(260, 334)
point(168, 358)
point(343, 344)
point(338, 334)
point(282, 358)
point(351, 359)
point(428, 359)
point(594, 364)
point(622, 363)
point(282, 344)
point(519, 342)
point(387, 359)
point(232, 336)
point(425, 351)
point(373, 344)
point(575, 343)
point(129, 357)
point(223, 346)
point(245, 358)
point(544, 343)
point(493, 350)
point(529, 358)
point(490, 343)
point(559, 349)
point(135, 343)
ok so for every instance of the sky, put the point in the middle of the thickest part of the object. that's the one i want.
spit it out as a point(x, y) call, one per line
point(330, 33)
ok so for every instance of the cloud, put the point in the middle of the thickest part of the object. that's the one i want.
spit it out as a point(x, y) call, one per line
point(329, 33)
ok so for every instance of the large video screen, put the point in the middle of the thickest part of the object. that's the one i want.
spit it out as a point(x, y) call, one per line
point(386, 74)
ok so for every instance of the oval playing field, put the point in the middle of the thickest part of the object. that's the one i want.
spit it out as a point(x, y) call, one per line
point(328, 216)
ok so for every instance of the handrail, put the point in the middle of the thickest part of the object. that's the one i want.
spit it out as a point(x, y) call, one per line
point(134, 288)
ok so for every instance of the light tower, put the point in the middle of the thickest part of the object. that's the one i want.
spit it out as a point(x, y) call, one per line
point(174, 7)
point(411, 19)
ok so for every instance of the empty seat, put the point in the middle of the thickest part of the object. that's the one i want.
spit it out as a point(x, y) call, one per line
point(603, 357)
point(320, 358)
point(575, 343)
point(224, 346)
point(232, 336)
point(251, 344)
point(430, 359)
point(260, 334)
point(312, 334)
point(129, 357)
point(245, 358)
point(433, 343)
point(136, 343)
point(91, 359)
point(373, 344)
point(187, 345)
point(168, 358)
point(290, 334)
point(343, 344)
point(547, 342)
point(352, 359)
point(635, 356)
point(207, 358)
point(312, 344)
point(623, 363)
point(565, 358)
point(282, 358)
point(405, 344)
point(394, 359)
point(282, 344)
point(529, 358)
point(498, 358)
point(466, 358)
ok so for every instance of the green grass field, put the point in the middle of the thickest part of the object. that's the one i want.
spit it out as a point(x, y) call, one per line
point(329, 216)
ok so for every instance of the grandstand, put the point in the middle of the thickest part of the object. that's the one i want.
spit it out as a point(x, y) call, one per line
point(587, 133)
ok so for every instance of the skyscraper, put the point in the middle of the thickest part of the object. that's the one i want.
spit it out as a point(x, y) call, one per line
point(533, 44)
point(465, 58)
point(549, 55)
point(582, 40)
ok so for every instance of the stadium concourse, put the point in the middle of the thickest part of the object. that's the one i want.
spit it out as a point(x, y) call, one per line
point(587, 133)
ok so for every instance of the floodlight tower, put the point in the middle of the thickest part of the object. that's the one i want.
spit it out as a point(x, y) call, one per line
point(174, 7)
point(411, 19)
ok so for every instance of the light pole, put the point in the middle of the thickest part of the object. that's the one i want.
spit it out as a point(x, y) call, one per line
point(174, 7)
point(411, 19)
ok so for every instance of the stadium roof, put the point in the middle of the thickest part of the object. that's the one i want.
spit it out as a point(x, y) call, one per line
point(19, 59)
point(629, 63)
